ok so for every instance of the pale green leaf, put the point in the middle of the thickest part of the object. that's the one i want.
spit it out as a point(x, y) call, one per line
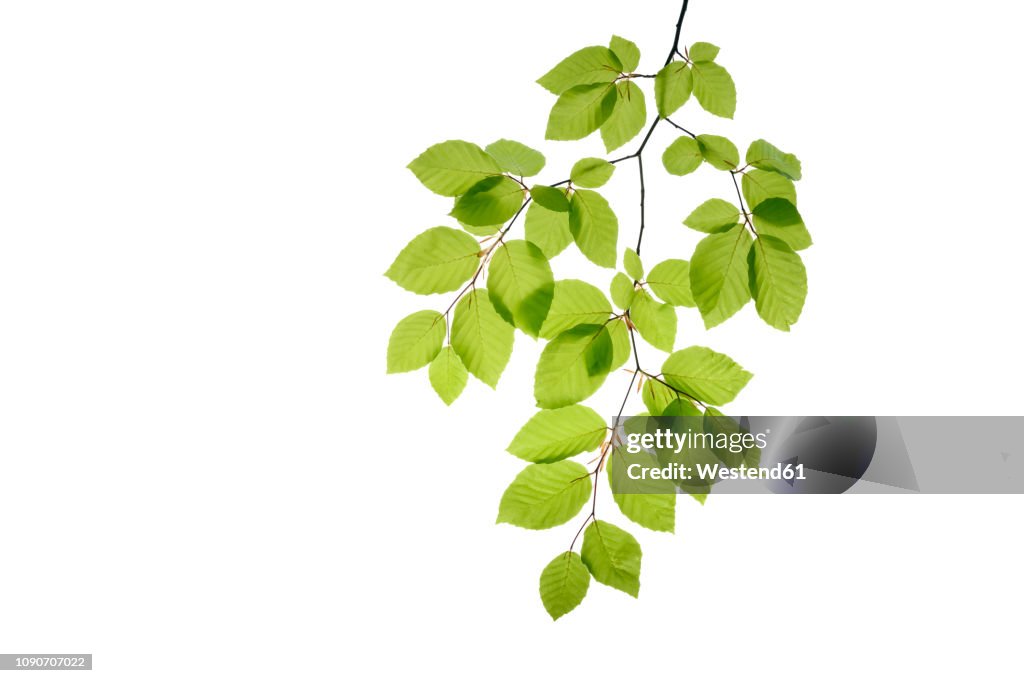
point(415, 341)
point(516, 158)
point(718, 275)
point(613, 556)
point(622, 343)
point(545, 496)
point(575, 303)
point(670, 280)
point(766, 156)
point(706, 375)
point(778, 282)
point(703, 52)
point(550, 198)
point(593, 64)
point(649, 503)
point(553, 435)
point(761, 185)
point(656, 322)
point(481, 337)
point(714, 89)
point(683, 156)
point(779, 218)
point(573, 366)
point(591, 172)
point(450, 168)
point(493, 200)
point(628, 117)
point(623, 290)
point(662, 399)
point(594, 227)
point(435, 261)
point(672, 88)
point(627, 52)
point(633, 265)
point(448, 375)
point(719, 152)
point(481, 230)
point(563, 584)
point(520, 285)
point(580, 111)
point(714, 215)
point(548, 229)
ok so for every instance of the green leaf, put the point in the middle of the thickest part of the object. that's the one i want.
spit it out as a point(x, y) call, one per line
point(573, 366)
point(492, 200)
point(778, 282)
point(627, 52)
point(779, 218)
point(682, 157)
point(435, 261)
point(575, 303)
point(450, 168)
point(516, 158)
point(719, 152)
point(650, 503)
point(520, 285)
point(764, 155)
point(481, 337)
point(761, 185)
point(714, 89)
point(563, 584)
point(591, 172)
point(714, 215)
point(623, 291)
point(672, 88)
point(706, 375)
point(545, 496)
point(415, 341)
point(656, 322)
point(594, 227)
point(718, 275)
point(481, 230)
point(448, 375)
point(613, 556)
point(622, 343)
point(628, 117)
point(553, 435)
point(580, 111)
point(661, 399)
point(593, 64)
point(703, 52)
point(548, 229)
point(670, 280)
point(633, 265)
point(550, 198)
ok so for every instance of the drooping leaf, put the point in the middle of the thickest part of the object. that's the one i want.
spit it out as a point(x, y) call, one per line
point(548, 229)
point(594, 227)
point(553, 435)
point(563, 584)
point(714, 215)
point(633, 265)
point(703, 52)
point(779, 218)
point(575, 303)
point(435, 261)
point(662, 399)
point(672, 88)
point(718, 275)
point(591, 172)
point(761, 185)
point(580, 111)
point(719, 152)
point(415, 341)
point(516, 158)
point(778, 282)
point(628, 117)
point(613, 556)
point(623, 290)
point(766, 156)
point(622, 343)
point(520, 285)
point(593, 64)
point(450, 168)
point(650, 503)
point(448, 375)
point(627, 52)
point(545, 496)
point(656, 322)
point(683, 156)
point(493, 200)
point(714, 89)
point(550, 198)
point(481, 337)
point(481, 230)
point(707, 375)
point(670, 280)
point(573, 366)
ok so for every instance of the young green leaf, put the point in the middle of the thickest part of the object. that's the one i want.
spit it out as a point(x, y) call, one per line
point(516, 158)
point(714, 89)
point(481, 230)
point(545, 496)
point(594, 227)
point(706, 375)
point(656, 322)
point(703, 52)
point(622, 344)
point(520, 285)
point(650, 503)
point(633, 265)
point(779, 218)
point(628, 117)
point(593, 64)
point(493, 200)
point(613, 556)
point(778, 282)
point(573, 366)
point(591, 172)
point(623, 290)
point(548, 229)
point(627, 52)
point(563, 584)
point(580, 111)
point(450, 168)
point(436, 261)
point(761, 185)
point(550, 198)
point(415, 341)
point(672, 88)
point(575, 303)
point(662, 399)
point(481, 337)
point(553, 435)
point(448, 375)
point(719, 152)
point(714, 215)
point(718, 275)
point(682, 157)
point(670, 280)
point(766, 156)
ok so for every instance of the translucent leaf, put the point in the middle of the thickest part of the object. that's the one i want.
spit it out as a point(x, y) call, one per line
point(718, 275)
point(779, 218)
point(633, 265)
point(520, 285)
point(627, 119)
point(548, 229)
point(683, 156)
point(550, 198)
point(761, 185)
point(622, 343)
point(593, 64)
point(435, 261)
point(491, 201)
point(714, 215)
point(481, 337)
point(766, 156)
point(714, 89)
point(575, 303)
point(450, 168)
point(591, 172)
point(415, 341)
point(516, 158)
point(563, 584)
point(778, 282)
point(672, 88)
point(649, 503)
point(719, 152)
point(656, 322)
point(573, 366)
point(448, 375)
point(545, 496)
point(670, 280)
point(594, 227)
point(580, 111)
point(481, 230)
point(627, 52)
point(707, 375)
point(613, 556)
point(703, 52)
point(553, 435)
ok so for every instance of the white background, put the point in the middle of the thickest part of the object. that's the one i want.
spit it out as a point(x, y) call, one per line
point(208, 475)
